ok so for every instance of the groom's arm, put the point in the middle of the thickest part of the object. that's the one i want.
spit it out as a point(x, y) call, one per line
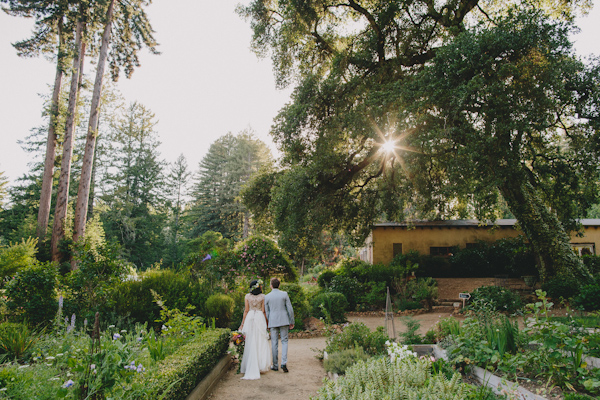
point(290, 310)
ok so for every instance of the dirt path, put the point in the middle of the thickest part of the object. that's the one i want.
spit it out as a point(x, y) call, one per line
point(306, 372)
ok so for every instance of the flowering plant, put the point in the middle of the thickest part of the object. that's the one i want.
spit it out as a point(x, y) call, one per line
point(239, 341)
point(398, 352)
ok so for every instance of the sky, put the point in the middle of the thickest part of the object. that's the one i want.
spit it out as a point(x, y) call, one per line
point(206, 83)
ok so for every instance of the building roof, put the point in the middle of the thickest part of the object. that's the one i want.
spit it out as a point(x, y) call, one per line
point(467, 223)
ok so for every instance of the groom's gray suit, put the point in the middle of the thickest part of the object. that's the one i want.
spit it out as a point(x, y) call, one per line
point(280, 314)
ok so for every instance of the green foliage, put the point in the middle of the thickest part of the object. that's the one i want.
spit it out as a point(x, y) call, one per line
point(407, 378)
point(91, 285)
point(561, 287)
point(230, 162)
point(133, 299)
point(329, 306)
point(17, 256)
point(261, 257)
point(511, 256)
point(325, 277)
point(446, 327)
point(31, 293)
point(358, 334)
point(411, 336)
point(588, 298)
point(220, 307)
point(577, 396)
point(16, 340)
point(497, 298)
point(179, 373)
point(340, 361)
point(421, 291)
point(347, 286)
point(299, 302)
point(592, 263)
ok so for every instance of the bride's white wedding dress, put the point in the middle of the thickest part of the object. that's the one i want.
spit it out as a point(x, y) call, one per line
point(257, 350)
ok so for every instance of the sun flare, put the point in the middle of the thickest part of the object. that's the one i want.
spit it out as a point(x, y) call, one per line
point(388, 146)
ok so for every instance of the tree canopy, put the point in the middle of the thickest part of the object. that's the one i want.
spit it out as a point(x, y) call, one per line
point(480, 106)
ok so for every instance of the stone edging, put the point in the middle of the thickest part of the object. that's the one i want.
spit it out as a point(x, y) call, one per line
point(203, 389)
point(502, 386)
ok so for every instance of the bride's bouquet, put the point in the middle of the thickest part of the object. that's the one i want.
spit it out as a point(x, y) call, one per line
point(238, 340)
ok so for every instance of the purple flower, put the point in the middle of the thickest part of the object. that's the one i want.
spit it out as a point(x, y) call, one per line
point(116, 336)
point(68, 384)
point(60, 301)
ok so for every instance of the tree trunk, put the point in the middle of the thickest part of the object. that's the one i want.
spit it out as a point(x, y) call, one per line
point(48, 177)
point(62, 201)
point(83, 192)
point(550, 242)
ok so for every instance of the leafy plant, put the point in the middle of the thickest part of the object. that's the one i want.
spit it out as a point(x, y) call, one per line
point(340, 361)
point(220, 307)
point(588, 298)
point(358, 334)
point(497, 298)
point(331, 306)
point(16, 339)
point(31, 294)
point(411, 336)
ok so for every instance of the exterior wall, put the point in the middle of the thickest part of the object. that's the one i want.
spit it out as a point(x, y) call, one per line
point(421, 238)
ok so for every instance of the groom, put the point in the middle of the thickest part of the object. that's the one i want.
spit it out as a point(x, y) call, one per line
point(280, 315)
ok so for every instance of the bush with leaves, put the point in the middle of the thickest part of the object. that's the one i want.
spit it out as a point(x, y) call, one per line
point(299, 302)
point(324, 279)
point(220, 307)
point(339, 362)
point(358, 334)
point(497, 297)
point(561, 287)
point(329, 306)
point(17, 256)
point(588, 298)
point(16, 340)
point(261, 257)
point(32, 294)
point(347, 286)
point(133, 299)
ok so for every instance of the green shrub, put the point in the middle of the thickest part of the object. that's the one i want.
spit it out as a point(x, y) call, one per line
point(358, 334)
point(340, 361)
point(404, 304)
point(407, 378)
point(181, 371)
point(347, 286)
point(373, 296)
point(329, 306)
point(16, 340)
point(592, 263)
point(31, 294)
point(411, 336)
point(498, 298)
point(261, 257)
point(220, 307)
point(133, 298)
point(17, 256)
point(299, 302)
point(577, 396)
point(324, 279)
point(561, 286)
point(588, 298)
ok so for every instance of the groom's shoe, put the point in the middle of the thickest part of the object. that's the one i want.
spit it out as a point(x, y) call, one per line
point(284, 368)
point(274, 368)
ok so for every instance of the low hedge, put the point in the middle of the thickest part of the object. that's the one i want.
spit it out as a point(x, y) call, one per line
point(181, 372)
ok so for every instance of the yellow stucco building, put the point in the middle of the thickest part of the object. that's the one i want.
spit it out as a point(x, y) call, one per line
point(439, 237)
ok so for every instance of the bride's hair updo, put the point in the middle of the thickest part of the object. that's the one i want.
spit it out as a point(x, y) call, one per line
point(255, 287)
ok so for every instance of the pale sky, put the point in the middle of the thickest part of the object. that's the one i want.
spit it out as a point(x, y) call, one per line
point(205, 83)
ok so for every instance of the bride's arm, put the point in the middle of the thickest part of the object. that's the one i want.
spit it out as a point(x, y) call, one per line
point(246, 308)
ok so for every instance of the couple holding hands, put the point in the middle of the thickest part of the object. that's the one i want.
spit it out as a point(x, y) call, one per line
point(273, 311)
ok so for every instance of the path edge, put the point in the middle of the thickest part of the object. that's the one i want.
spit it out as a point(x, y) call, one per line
point(208, 383)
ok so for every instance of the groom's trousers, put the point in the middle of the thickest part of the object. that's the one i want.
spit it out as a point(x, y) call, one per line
point(281, 331)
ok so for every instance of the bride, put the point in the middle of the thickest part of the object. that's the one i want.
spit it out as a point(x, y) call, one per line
point(257, 351)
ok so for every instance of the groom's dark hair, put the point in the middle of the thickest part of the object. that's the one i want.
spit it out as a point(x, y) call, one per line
point(275, 283)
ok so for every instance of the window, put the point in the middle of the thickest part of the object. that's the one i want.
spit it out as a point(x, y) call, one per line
point(397, 249)
point(584, 248)
point(444, 251)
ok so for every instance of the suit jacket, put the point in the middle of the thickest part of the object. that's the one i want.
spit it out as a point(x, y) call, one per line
point(278, 308)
